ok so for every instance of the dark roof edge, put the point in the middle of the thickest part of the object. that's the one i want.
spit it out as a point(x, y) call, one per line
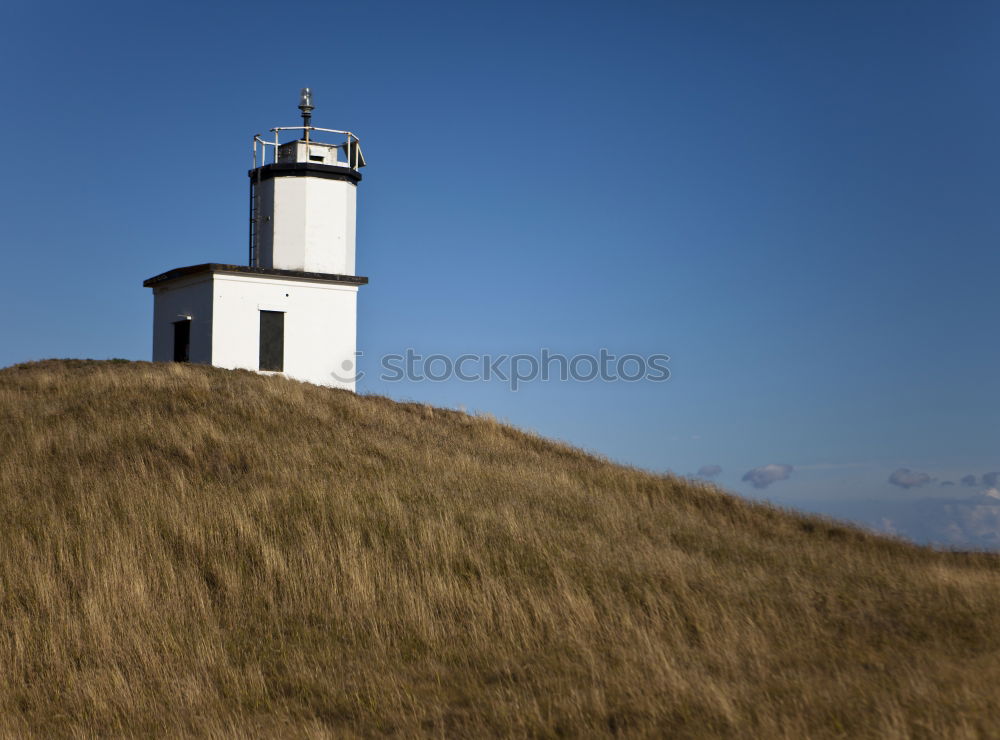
point(212, 267)
point(306, 169)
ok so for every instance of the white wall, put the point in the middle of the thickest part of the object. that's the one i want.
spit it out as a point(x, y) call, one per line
point(320, 325)
point(308, 224)
point(304, 151)
point(183, 297)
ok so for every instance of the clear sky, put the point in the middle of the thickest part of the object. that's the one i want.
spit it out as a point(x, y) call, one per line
point(796, 201)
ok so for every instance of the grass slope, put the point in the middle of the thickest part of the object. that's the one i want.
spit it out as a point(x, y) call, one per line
point(191, 550)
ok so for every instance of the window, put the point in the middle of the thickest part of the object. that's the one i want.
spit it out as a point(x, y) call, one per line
point(272, 340)
point(182, 341)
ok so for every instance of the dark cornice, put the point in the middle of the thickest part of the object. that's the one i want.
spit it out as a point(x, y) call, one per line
point(305, 169)
point(213, 267)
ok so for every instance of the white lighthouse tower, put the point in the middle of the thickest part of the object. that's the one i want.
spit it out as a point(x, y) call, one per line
point(293, 308)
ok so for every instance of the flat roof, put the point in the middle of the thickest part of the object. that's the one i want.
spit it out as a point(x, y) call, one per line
point(210, 267)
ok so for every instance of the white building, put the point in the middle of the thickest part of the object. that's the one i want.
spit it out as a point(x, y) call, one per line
point(293, 308)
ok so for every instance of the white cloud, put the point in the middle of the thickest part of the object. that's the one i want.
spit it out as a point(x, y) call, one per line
point(906, 478)
point(765, 475)
point(709, 471)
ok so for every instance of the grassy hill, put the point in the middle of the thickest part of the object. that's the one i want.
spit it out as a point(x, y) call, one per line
point(190, 550)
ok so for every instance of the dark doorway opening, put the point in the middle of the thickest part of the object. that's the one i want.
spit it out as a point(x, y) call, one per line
point(272, 340)
point(182, 341)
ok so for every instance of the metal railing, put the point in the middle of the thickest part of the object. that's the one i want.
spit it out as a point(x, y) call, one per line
point(261, 159)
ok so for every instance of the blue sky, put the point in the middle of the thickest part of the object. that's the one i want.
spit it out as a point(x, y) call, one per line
point(795, 201)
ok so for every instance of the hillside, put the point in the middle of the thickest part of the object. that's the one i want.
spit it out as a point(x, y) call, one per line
point(191, 550)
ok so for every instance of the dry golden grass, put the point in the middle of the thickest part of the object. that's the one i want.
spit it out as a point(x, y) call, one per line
point(193, 551)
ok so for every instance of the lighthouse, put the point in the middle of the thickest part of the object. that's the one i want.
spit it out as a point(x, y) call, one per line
point(292, 309)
